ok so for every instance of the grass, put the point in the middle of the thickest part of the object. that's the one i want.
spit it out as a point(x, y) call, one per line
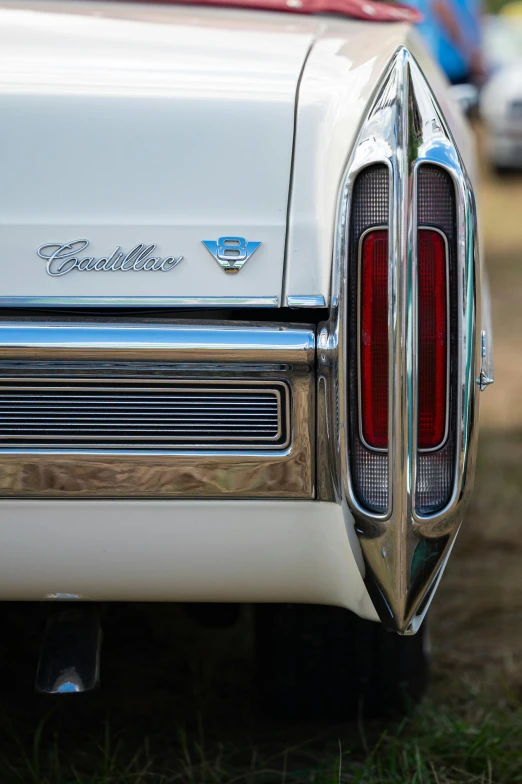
point(433, 746)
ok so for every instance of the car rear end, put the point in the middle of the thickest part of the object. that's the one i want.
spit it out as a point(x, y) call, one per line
point(242, 335)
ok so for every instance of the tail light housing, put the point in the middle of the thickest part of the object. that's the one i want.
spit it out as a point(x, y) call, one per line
point(434, 351)
point(400, 357)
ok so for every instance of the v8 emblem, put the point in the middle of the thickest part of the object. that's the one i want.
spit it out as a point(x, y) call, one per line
point(231, 252)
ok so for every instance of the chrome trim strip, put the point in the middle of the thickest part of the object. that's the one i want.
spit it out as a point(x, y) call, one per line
point(140, 302)
point(178, 342)
point(305, 301)
point(404, 552)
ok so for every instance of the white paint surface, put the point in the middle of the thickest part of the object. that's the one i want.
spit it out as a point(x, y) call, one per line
point(126, 123)
point(145, 123)
point(181, 551)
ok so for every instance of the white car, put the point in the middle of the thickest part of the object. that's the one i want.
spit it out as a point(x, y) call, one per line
point(243, 330)
point(501, 99)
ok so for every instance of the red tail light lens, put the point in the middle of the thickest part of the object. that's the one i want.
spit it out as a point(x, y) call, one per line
point(374, 338)
point(432, 338)
point(435, 348)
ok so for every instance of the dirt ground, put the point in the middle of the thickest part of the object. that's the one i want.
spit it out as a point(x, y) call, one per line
point(477, 615)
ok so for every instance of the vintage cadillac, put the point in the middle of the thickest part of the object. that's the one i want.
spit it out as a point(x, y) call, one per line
point(243, 331)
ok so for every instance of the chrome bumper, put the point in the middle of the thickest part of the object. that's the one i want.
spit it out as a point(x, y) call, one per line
point(73, 353)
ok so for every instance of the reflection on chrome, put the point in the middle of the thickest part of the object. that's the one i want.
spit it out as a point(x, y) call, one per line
point(305, 301)
point(140, 302)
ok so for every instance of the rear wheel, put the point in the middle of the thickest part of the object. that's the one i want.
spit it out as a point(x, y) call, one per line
point(504, 170)
point(316, 661)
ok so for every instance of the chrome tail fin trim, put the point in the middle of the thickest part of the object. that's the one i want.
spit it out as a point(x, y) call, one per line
point(404, 553)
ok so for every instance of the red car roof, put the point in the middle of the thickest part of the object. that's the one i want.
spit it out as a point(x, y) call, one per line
point(370, 10)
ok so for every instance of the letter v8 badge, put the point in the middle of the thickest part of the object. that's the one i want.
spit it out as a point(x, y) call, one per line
point(231, 252)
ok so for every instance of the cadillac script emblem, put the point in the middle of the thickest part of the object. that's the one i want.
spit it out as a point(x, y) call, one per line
point(62, 259)
point(231, 252)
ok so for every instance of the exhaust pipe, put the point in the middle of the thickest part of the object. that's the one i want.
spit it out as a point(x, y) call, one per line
point(69, 659)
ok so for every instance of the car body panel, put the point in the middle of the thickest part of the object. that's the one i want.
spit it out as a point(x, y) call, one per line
point(148, 82)
point(181, 551)
point(100, 106)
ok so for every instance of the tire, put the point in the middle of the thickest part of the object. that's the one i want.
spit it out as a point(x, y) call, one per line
point(325, 662)
point(504, 170)
point(218, 615)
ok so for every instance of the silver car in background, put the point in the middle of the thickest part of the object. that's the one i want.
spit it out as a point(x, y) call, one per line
point(501, 101)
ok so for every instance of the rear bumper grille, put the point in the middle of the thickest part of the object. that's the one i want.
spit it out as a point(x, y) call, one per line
point(156, 409)
point(150, 414)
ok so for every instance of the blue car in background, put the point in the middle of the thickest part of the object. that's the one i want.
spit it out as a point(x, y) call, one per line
point(452, 30)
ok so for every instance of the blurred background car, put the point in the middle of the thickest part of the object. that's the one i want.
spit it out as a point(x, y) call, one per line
point(452, 31)
point(501, 99)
